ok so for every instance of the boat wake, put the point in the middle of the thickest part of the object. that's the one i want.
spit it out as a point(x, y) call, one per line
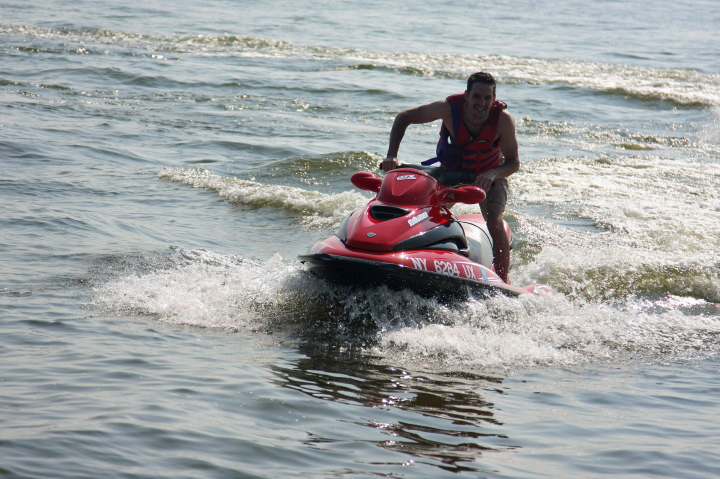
point(229, 293)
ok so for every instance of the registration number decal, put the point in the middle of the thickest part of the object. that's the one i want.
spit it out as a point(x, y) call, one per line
point(446, 267)
point(452, 268)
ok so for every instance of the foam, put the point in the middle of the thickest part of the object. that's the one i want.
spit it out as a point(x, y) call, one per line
point(317, 210)
point(203, 288)
point(684, 87)
point(207, 289)
point(551, 331)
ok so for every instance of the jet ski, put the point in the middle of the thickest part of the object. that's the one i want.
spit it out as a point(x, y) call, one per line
point(406, 237)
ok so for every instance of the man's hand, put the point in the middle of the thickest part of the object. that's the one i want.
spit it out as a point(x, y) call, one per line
point(484, 180)
point(390, 163)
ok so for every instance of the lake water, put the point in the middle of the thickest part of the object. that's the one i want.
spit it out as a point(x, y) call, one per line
point(163, 164)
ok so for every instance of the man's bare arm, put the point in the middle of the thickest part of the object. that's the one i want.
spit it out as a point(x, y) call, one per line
point(439, 110)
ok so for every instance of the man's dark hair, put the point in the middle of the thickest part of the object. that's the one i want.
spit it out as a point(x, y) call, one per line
point(480, 77)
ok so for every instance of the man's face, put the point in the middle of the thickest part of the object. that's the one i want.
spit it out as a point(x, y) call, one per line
point(479, 100)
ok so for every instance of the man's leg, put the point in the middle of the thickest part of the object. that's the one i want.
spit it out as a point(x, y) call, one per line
point(493, 208)
point(501, 246)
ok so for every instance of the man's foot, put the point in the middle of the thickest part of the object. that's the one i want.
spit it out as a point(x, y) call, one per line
point(501, 262)
point(502, 273)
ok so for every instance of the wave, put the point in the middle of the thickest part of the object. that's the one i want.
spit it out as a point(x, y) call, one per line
point(315, 209)
point(635, 198)
point(320, 170)
point(588, 137)
point(682, 87)
point(209, 289)
point(652, 224)
point(552, 331)
point(636, 245)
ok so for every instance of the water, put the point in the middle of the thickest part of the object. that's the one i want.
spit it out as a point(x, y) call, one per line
point(163, 165)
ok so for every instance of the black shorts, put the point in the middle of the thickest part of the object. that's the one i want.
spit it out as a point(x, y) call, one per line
point(496, 198)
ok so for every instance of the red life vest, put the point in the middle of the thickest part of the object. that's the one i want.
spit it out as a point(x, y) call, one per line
point(460, 150)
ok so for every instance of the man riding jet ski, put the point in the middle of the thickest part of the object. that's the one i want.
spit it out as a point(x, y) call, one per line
point(477, 136)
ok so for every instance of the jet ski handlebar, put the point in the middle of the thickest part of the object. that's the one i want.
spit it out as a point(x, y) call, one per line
point(443, 176)
point(429, 191)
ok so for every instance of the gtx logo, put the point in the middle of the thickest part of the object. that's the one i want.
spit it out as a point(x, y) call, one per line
point(417, 219)
point(407, 177)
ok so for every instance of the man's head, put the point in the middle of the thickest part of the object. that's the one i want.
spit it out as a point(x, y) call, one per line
point(479, 97)
point(482, 78)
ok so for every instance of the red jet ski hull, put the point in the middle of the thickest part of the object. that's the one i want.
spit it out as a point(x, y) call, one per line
point(407, 238)
point(430, 273)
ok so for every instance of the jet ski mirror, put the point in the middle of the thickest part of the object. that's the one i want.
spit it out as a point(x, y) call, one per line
point(366, 181)
point(463, 194)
